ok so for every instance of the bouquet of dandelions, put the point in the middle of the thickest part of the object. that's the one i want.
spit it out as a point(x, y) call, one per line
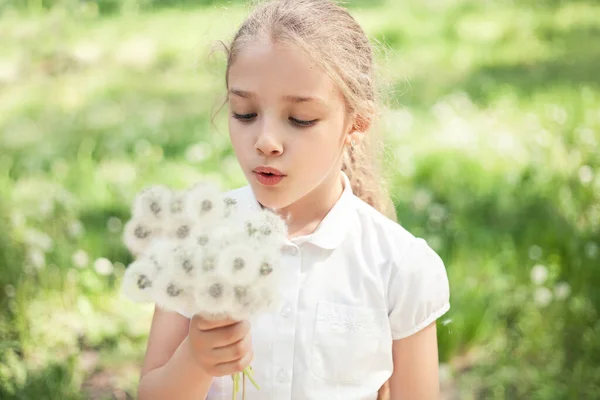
point(197, 252)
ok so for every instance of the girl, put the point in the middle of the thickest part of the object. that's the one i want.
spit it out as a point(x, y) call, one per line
point(361, 294)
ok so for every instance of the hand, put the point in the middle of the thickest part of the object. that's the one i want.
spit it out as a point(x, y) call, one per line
point(221, 347)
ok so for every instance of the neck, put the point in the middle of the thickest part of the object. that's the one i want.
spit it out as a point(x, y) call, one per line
point(305, 215)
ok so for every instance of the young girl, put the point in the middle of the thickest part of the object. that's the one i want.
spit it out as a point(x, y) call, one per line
point(361, 294)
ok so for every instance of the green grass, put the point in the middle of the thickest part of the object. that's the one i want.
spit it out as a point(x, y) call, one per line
point(492, 136)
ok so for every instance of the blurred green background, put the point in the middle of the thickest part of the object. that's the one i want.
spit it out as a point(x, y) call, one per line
point(493, 153)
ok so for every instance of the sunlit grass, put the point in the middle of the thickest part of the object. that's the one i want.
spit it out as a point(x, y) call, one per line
point(493, 133)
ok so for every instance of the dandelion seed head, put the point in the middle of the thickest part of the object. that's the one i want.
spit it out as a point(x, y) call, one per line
point(160, 252)
point(177, 204)
point(209, 263)
point(173, 290)
point(137, 236)
point(230, 206)
point(266, 268)
point(238, 263)
point(215, 290)
point(185, 259)
point(204, 205)
point(180, 229)
point(214, 295)
point(141, 232)
point(143, 281)
point(138, 281)
point(152, 204)
point(202, 240)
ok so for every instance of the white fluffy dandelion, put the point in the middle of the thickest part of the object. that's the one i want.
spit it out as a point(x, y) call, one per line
point(230, 206)
point(204, 204)
point(173, 291)
point(200, 253)
point(153, 205)
point(179, 228)
point(137, 235)
point(186, 261)
point(265, 228)
point(239, 261)
point(214, 296)
point(139, 281)
point(177, 204)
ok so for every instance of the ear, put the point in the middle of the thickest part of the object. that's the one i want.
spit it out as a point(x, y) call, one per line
point(358, 129)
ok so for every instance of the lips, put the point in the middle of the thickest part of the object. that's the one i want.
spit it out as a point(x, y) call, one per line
point(268, 176)
point(268, 171)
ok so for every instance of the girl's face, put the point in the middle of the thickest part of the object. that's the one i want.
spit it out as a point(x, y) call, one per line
point(287, 114)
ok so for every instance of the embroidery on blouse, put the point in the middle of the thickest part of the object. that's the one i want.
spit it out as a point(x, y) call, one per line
point(344, 319)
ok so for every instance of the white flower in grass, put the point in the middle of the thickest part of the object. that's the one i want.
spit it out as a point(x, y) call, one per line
point(152, 205)
point(137, 235)
point(103, 266)
point(562, 290)
point(139, 281)
point(80, 258)
point(174, 290)
point(539, 274)
point(204, 204)
point(542, 297)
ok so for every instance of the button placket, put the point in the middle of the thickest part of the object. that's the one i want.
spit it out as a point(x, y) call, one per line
point(285, 323)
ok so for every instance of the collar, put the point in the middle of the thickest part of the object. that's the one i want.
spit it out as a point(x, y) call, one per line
point(333, 228)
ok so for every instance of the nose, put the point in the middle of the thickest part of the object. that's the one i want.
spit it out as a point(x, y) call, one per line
point(267, 143)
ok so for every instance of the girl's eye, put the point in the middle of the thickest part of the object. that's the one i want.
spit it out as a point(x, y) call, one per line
point(303, 124)
point(244, 117)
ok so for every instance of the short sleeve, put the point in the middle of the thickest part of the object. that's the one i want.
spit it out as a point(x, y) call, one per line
point(418, 292)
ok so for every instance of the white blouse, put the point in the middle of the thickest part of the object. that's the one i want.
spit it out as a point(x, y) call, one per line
point(351, 287)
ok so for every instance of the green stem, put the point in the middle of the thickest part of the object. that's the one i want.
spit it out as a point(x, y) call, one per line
point(248, 372)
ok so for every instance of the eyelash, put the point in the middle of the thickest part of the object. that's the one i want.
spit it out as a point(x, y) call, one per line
point(298, 122)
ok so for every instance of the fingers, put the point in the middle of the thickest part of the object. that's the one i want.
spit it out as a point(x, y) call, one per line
point(226, 335)
point(206, 325)
point(234, 366)
point(232, 352)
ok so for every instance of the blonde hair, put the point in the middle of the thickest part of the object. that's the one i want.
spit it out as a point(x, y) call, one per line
point(334, 40)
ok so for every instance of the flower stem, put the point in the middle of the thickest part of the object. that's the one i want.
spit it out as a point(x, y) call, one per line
point(243, 386)
point(249, 373)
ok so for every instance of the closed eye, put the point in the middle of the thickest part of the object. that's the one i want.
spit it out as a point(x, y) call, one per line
point(244, 117)
point(301, 123)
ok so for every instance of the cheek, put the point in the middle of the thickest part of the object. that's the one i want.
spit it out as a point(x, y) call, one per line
point(238, 140)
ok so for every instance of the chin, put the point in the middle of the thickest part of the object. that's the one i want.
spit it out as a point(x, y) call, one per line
point(274, 199)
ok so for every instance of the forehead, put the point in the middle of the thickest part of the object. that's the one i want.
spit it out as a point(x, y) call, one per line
point(276, 70)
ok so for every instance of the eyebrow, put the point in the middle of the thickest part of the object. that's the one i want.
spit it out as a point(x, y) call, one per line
point(290, 98)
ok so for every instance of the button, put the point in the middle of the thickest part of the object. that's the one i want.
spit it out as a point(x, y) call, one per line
point(286, 311)
point(281, 375)
point(290, 249)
